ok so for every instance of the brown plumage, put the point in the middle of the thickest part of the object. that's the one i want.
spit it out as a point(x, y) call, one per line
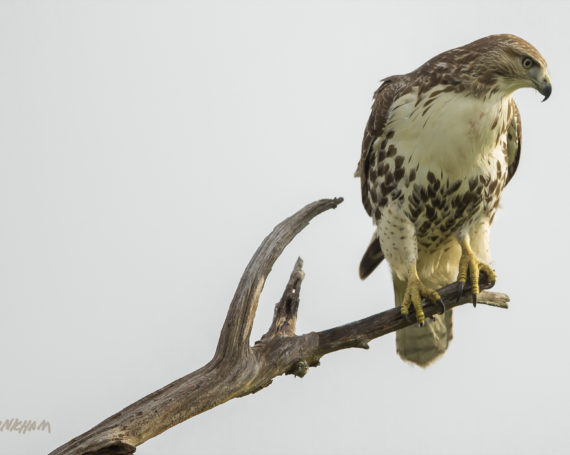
point(440, 145)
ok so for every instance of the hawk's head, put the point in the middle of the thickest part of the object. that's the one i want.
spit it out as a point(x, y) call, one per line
point(509, 63)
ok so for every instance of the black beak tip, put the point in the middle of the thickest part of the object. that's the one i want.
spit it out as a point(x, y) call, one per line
point(546, 91)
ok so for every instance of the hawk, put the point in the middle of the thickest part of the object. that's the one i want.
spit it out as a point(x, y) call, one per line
point(440, 146)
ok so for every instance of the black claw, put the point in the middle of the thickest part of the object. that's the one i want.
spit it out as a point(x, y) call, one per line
point(474, 300)
point(407, 318)
point(460, 293)
point(442, 305)
point(420, 324)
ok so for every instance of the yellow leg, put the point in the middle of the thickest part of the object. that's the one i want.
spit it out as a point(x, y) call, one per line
point(470, 264)
point(415, 290)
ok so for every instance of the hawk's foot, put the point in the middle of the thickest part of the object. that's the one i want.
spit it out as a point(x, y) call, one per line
point(470, 266)
point(415, 290)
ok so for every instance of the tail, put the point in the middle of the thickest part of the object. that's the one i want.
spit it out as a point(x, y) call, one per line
point(422, 345)
point(373, 256)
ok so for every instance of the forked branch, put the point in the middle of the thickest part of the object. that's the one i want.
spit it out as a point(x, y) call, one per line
point(237, 368)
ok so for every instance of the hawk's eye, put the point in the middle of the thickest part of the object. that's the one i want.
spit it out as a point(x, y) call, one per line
point(527, 62)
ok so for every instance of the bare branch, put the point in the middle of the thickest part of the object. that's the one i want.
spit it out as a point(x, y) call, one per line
point(239, 321)
point(358, 333)
point(285, 315)
point(237, 369)
point(231, 373)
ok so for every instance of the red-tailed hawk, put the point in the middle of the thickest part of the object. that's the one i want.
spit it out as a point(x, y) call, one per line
point(440, 145)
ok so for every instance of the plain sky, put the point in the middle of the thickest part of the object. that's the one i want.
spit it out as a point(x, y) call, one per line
point(146, 149)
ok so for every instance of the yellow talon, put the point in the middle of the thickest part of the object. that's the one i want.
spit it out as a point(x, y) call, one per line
point(415, 290)
point(470, 263)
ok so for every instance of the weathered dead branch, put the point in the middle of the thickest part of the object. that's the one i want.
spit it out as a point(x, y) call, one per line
point(237, 368)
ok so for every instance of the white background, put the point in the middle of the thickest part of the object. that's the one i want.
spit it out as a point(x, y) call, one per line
point(147, 147)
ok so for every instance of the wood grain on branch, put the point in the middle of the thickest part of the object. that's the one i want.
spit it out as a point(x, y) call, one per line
point(238, 368)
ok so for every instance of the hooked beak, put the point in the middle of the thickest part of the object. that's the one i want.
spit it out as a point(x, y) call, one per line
point(544, 87)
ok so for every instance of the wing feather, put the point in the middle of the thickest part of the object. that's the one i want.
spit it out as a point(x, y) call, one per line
point(514, 140)
point(384, 99)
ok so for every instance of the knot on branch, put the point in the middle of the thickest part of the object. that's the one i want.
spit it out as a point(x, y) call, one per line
point(362, 344)
point(299, 369)
point(116, 448)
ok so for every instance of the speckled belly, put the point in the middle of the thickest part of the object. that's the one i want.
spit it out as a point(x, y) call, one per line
point(443, 209)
